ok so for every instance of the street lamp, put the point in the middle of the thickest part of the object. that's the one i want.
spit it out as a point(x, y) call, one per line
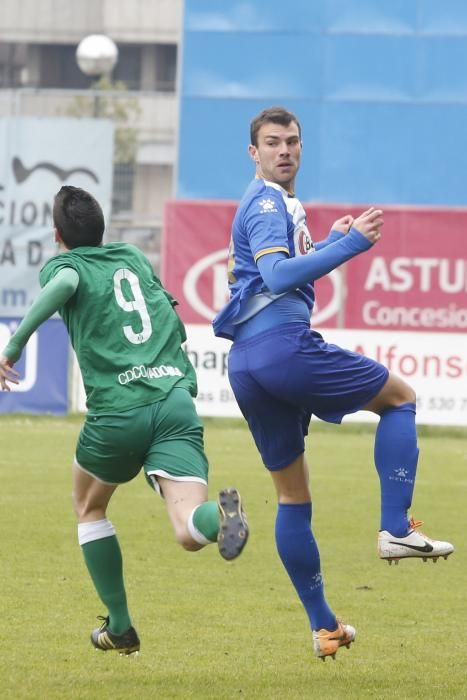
point(97, 55)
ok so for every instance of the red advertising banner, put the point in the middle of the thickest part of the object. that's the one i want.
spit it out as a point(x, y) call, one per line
point(413, 279)
point(194, 256)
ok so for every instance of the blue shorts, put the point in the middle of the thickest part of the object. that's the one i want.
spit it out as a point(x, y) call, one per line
point(283, 376)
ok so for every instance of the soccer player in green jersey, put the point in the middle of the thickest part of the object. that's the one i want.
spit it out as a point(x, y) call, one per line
point(139, 386)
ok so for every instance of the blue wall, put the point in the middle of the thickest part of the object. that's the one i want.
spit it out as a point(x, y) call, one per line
point(380, 87)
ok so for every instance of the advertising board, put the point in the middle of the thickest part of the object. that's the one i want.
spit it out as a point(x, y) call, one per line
point(404, 302)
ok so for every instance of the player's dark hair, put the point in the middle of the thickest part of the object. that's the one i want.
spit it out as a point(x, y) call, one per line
point(276, 115)
point(78, 217)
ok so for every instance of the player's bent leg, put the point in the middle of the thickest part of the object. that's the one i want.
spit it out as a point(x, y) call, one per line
point(181, 499)
point(177, 466)
point(299, 554)
point(198, 522)
point(396, 458)
point(103, 558)
point(395, 392)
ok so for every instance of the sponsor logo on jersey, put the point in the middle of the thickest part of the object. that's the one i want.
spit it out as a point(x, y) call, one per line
point(304, 242)
point(135, 373)
point(267, 206)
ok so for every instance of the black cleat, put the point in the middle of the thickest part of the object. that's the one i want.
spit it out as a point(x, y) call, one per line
point(233, 531)
point(105, 640)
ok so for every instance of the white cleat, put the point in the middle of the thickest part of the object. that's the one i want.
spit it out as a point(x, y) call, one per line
point(414, 545)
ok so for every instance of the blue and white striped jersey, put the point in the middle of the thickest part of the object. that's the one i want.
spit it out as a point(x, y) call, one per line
point(268, 220)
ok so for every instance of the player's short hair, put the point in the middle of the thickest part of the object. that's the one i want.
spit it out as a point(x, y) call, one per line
point(276, 115)
point(78, 217)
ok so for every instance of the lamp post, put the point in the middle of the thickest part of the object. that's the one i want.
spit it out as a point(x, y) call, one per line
point(97, 55)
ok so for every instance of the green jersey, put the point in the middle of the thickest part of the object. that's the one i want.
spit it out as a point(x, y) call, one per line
point(123, 328)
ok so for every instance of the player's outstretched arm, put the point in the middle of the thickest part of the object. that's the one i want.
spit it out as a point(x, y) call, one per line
point(338, 230)
point(51, 298)
point(282, 274)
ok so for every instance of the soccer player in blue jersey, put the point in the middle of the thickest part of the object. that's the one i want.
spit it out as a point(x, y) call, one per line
point(282, 371)
point(139, 386)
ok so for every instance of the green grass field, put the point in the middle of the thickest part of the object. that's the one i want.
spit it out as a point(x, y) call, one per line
point(212, 629)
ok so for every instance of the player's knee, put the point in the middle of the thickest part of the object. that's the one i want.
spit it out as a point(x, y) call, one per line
point(395, 392)
point(86, 509)
point(403, 393)
point(411, 395)
point(81, 505)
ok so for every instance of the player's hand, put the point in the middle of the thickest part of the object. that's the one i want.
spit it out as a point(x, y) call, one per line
point(369, 224)
point(343, 224)
point(7, 374)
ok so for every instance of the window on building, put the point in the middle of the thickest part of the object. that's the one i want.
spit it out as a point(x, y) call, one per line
point(140, 66)
point(12, 65)
point(128, 68)
point(58, 68)
point(166, 67)
point(123, 185)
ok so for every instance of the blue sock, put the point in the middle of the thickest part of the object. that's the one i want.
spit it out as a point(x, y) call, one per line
point(396, 456)
point(299, 553)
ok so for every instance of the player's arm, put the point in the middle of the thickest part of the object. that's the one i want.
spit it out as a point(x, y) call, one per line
point(338, 231)
point(331, 238)
point(282, 274)
point(51, 298)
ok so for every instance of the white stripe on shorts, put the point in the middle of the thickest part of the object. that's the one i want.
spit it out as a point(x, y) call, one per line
point(154, 473)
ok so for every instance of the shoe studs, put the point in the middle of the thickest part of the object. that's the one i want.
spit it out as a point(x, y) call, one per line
point(424, 559)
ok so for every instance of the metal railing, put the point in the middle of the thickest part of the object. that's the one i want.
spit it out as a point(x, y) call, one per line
point(152, 114)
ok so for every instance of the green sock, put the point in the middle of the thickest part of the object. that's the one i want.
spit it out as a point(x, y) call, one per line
point(104, 561)
point(206, 519)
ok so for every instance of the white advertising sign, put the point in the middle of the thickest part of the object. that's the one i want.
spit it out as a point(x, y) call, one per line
point(435, 368)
